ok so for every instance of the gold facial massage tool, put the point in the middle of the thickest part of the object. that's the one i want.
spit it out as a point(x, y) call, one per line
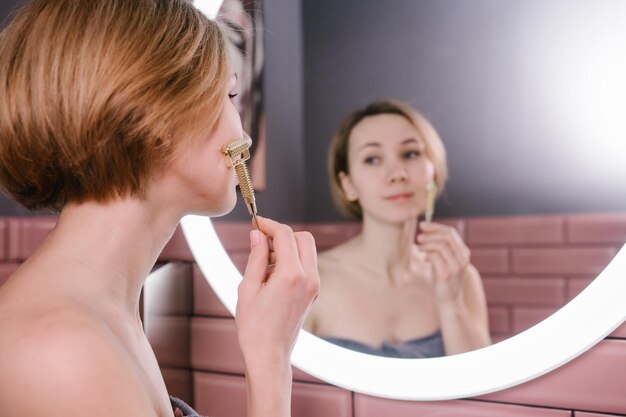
point(238, 152)
point(431, 194)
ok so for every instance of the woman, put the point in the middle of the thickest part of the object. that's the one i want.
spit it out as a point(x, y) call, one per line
point(383, 292)
point(115, 113)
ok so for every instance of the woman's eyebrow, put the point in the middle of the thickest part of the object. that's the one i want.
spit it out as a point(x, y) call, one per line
point(375, 144)
point(410, 140)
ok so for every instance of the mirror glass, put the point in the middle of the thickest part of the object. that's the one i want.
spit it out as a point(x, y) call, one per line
point(544, 347)
point(527, 96)
point(526, 99)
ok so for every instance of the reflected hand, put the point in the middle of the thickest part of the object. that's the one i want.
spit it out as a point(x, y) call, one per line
point(272, 305)
point(409, 263)
point(448, 256)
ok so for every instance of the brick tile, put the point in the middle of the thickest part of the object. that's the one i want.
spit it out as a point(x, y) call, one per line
point(515, 230)
point(178, 383)
point(593, 382)
point(234, 235)
point(491, 260)
point(521, 291)
point(597, 228)
point(25, 234)
point(214, 346)
point(585, 414)
point(219, 395)
point(205, 302)
point(366, 406)
point(167, 291)
point(313, 400)
point(526, 317)
point(6, 269)
point(574, 261)
point(499, 320)
point(169, 338)
point(575, 285)
point(176, 249)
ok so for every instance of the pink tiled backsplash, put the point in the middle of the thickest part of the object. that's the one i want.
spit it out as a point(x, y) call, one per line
point(530, 266)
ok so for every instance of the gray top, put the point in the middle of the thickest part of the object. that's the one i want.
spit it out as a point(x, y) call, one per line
point(185, 409)
point(424, 347)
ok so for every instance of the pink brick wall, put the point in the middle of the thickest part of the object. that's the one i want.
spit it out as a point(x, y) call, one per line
point(530, 265)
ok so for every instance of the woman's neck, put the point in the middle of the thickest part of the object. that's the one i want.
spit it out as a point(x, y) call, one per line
point(384, 245)
point(105, 251)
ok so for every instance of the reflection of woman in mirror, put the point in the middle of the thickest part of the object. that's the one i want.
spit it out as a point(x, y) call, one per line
point(243, 25)
point(383, 292)
point(115, 113)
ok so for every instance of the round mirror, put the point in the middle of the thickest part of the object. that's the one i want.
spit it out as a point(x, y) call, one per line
point(527, 98)
point(583, 322)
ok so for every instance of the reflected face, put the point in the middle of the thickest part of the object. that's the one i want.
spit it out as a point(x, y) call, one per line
point(239, 31)
point(388, 167)
point(201, 169)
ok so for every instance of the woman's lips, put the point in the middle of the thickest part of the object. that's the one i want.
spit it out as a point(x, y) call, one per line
point(399, 197)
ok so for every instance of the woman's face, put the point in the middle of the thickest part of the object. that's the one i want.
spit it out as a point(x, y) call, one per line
point(200, 168)
point(388, 168)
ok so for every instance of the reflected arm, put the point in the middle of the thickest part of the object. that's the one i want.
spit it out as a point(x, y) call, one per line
point(464, 321)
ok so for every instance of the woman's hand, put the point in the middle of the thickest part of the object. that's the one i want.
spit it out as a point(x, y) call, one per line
point(273, 305)
point(448, 256)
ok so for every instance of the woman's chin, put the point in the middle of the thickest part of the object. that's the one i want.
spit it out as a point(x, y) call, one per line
point(398, 218)
point(223, 209)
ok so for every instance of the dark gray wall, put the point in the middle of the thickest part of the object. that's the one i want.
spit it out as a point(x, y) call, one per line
point(493, 77)
point(478, 69)
point(284, 197)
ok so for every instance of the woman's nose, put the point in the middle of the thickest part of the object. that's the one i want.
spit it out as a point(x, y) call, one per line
point(397, 173)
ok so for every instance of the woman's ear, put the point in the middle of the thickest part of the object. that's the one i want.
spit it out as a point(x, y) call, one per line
point(348, 188)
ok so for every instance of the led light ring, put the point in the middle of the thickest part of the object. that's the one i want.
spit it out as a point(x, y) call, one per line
point(576, 327)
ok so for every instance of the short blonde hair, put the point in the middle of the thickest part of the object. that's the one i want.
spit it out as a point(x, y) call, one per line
point(95, 94)
point(338, 150)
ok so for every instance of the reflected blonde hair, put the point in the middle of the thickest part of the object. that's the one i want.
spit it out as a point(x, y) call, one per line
point(94, 92)
point(338, 150)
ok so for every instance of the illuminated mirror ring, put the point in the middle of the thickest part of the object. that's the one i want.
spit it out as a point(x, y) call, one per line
point(576, 327)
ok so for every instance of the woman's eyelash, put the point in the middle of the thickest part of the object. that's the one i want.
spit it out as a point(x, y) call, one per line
point(232, 95)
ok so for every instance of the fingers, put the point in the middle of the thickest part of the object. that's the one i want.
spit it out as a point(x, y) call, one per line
point(450, 263)
point(283, 243)
point(447, 235)
point(308, 259)
point(258, 260)
point(307, 250)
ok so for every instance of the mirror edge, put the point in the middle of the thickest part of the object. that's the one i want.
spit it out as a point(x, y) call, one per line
point(540, 349)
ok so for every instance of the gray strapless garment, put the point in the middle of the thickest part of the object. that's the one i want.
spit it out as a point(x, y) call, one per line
point(423, 347)
point(185, 409)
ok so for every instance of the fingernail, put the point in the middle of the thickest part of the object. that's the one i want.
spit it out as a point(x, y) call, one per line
point(254, 238)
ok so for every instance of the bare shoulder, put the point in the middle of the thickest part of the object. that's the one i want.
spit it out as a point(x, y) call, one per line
point(66, 365)
point(334, 262)
point(332, 268)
